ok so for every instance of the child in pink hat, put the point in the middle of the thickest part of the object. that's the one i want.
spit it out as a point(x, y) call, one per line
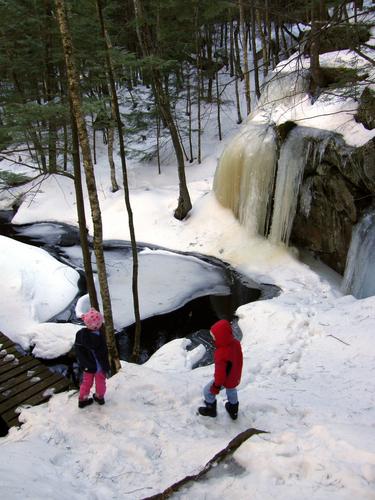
point(92, 355)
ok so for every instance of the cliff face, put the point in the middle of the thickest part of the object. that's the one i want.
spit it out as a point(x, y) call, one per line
point(291, 177)
point(338, 186)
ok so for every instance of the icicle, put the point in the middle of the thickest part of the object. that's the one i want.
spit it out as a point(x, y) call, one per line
point(359, 277)
point(244, 178)
point(290, 169)
point(305, 200)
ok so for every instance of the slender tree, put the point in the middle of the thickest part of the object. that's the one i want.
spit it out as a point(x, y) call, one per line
point(81, 214)
point(245, 55)
point(254, 50)
point(218, 103)
point(73, 85)
point(149, 50)
point(317, 75)
point(198, 90)
point(116, 110)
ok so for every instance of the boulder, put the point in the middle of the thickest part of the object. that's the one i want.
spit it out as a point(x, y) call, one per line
point(339, 184)
point(366, 109)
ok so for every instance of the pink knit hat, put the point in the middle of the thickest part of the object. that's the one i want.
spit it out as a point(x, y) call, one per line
point(92, 319)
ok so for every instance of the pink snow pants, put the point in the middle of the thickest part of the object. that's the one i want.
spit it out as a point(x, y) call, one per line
point(87, 382)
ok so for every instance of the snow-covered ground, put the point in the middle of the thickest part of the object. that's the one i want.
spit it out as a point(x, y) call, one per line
point(308, 380)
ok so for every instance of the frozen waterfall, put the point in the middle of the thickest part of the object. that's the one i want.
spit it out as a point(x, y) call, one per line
point(245, 175)
point(290, 169)
point(254, 179)
point(257, 185)
point(359, 278)
point(245, 179)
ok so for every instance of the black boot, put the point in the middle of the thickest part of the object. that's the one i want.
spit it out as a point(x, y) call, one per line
point(98, 400)
point(232, 410)
point(209, 410)
point(85, 402)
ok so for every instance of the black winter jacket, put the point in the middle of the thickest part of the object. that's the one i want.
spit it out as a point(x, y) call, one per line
point(89, 345)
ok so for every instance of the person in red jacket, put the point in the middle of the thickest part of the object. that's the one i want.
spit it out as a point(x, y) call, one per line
point(228, 369)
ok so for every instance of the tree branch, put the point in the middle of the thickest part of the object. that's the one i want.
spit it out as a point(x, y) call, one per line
point(228, 450)
point(329, 335)
point(12, 160)
point(32, 167)
point(360, 53)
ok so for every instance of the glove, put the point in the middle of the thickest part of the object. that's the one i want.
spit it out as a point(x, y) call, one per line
point(215, 389)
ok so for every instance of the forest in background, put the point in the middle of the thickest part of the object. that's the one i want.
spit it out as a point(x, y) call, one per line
point(166, 56)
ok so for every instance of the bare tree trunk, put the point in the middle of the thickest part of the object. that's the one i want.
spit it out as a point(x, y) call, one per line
point(145, 41)
point(188, 112)
point(30, 131)
point(264, 43)
point(112, 167)
point(245, 56)
point(65, 153)
point(91, 290)
point(285, 43)
point(276, 51)
point(210, 63)
point(180, 139)
point(317, 75)
point(238, 104)
point(116, 109)
point(50, 89)
point(199, 119)
point(268, 33)
point(231, 49)
point(254, 48)
point(73, 84)
point(218, 106)
point(184, 203)
point(93, 138)
point(158, 140)
point(226, 46)
point(239, 72)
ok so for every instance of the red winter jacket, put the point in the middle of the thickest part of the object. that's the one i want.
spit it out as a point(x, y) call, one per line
point(228, 355)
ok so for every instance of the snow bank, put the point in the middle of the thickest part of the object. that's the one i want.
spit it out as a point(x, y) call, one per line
point(34, 287)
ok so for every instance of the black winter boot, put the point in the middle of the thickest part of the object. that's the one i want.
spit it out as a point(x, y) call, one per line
point(82, 403)
point(100, 401)
point(209, 410)
point(232, 410)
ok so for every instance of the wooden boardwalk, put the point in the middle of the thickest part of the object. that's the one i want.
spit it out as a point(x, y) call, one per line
point(23, 381)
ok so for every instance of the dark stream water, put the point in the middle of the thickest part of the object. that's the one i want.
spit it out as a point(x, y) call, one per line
point(191, 318)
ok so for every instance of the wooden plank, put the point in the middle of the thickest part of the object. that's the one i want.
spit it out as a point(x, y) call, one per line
point(6, 343)
point(9, 365)
point(16, 385)
point(9, 350)
point(13, 423)
point(11, 417)
point(14, 370)
point(11, 347)
point(27, 384)
point(4, 339)
point(21, 377)
point(24, 396)
point(22, 360)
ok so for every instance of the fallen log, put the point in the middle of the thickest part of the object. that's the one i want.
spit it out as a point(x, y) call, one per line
point(220, 456)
